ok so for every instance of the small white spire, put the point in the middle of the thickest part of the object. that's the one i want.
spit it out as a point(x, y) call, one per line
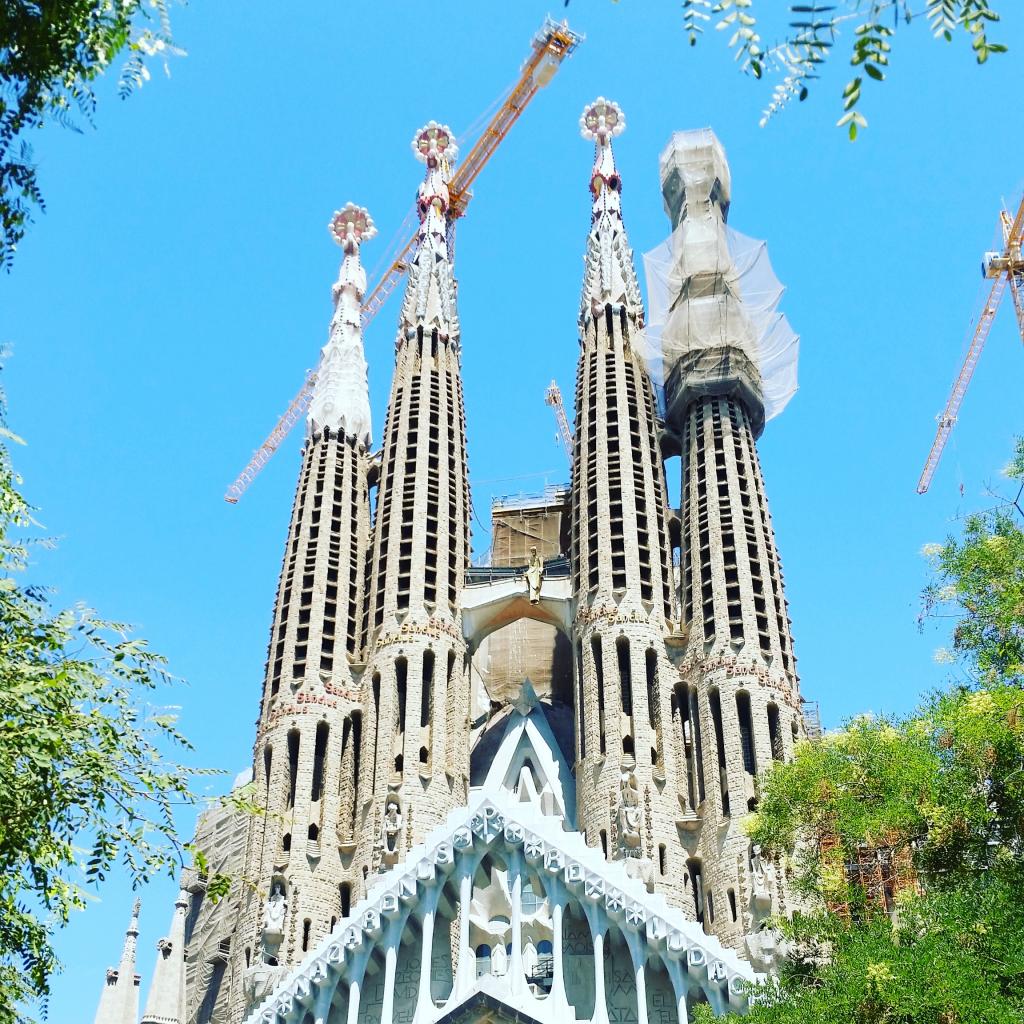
point(119, 1001)
point(166, 1001)
point(609, 276)
point(341, 400)
point(430, 293)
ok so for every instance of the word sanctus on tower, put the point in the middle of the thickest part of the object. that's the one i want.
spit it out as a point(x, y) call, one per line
point(516, 790)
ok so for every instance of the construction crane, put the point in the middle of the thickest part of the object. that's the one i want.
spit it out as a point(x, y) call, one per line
point(1002, 268)
point(553, 397)
point(549, 47)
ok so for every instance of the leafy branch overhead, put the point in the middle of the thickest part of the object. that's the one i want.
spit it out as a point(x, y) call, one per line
point(86, 783)
point(50, 56)
point(807, 34)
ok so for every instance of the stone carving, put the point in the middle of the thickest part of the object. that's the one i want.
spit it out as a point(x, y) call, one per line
point(274, 916)
point(499, 960)
point(534, 576)
point(760, 880)
point(629, 818)
point(391, 830)
point(530, 959)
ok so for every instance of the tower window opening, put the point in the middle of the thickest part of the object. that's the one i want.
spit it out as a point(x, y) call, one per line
point(695, 871)
point(293, 764)
point(581, 720)
point(653, 703)
point(427, 692)
point(595, 651)
point(715, 702)
point(746, 723)
point(401, 686)
point(625, 675)
point(375, 692)
point(306, 927)
point(604, 842)
point(732, 903)
point(314, 834)
point(698, 742)
point(286, 842)
point(775, 733)
point(319, 758)
point(662, 859)
point(346, 898)
point(357, 752)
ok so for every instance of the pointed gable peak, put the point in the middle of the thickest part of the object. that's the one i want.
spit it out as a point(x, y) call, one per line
point(609, 275)
point(430, 293)
point(341, 401)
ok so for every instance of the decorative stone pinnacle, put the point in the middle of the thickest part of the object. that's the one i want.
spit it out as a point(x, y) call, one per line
point(602, 120)
point(340, 400)
point(434, 143)
point(351, 226)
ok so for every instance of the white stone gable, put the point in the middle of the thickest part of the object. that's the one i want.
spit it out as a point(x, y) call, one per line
point(365, 952)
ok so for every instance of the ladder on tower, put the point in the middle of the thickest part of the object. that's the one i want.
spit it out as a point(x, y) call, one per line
point(549, 47)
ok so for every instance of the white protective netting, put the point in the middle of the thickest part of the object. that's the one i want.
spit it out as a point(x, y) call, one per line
point(705, 319)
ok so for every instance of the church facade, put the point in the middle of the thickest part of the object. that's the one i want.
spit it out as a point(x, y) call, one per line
point(514, 790)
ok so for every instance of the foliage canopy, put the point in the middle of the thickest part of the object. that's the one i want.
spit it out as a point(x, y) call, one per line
point(84, 781)
point(940, 791)
point(51, 53)
point(808, 32)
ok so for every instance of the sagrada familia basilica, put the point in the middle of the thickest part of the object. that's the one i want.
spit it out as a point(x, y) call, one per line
point(516, 791)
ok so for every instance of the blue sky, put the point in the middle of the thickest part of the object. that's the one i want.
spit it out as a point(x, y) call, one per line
point(164, 310)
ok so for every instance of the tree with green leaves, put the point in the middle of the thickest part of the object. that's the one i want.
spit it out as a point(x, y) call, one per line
point(85, 780)
point(979, 581)
point(51, 53)
point(807, 33)
point(940, 791)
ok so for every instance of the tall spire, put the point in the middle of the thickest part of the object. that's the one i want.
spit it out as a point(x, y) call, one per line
point(415, 766)
point(341, 402)
point(166, 1001)
point(430, 294)
point(119, 1000)
point(609, 276)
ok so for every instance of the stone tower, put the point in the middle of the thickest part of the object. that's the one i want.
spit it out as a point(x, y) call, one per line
point(433, 854)
point(165, 1003)
point(738, 701)
point(306, 755)
point(627, 779)
point(119, 1000)
point(416, 747)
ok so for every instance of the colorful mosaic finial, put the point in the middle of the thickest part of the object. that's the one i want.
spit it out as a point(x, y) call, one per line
point(602, 120)
point(351, 225)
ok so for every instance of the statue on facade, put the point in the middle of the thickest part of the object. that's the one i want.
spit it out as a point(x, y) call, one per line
point(391, 833)
point(273, 916)
point(530, 959)
point(629, 814)
point(534, 576)
point(760, 879)
point(499, 961)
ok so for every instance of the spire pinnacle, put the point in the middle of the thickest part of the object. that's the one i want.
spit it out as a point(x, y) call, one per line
point(600, 122)
point(340, 400)
point(609, 276)
point(166, 1001)
point(430, 294)
point(119, 1000)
